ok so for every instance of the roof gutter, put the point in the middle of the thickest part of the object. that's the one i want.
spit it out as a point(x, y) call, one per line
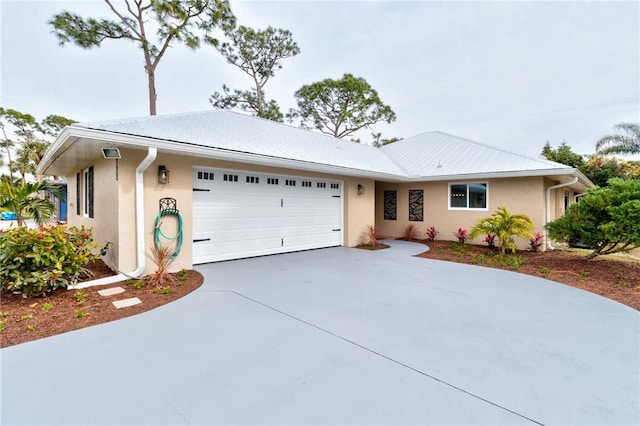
point(140, 256)
point(548, 206)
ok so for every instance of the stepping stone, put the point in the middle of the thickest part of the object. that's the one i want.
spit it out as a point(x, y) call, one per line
point(111, 291)
point(126, 302)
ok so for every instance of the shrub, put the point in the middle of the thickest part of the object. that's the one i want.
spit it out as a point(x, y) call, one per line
point(162, 256)
point(535, 242)
point(461, 235)
point(34, 262)
point(431, 234)
point(410, 232)
point(490, 239)
point(371, 236)
point(505, 225)
point(607, 219)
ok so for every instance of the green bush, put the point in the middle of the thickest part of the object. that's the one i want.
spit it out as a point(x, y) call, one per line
point(34, 262)
point(606, 219)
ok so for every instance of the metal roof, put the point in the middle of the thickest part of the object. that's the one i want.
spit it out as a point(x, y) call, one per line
point(436, 154)
point(223, 134)
point(227, 130)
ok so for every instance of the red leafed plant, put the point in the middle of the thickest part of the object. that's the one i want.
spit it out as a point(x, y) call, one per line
point(490, 239)
point(431, 234)
point(462, 235)
point(535, 241)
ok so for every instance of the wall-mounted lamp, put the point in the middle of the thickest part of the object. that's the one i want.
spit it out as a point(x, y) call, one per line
point(360, 189)
point(163, 174)
point(111, 153)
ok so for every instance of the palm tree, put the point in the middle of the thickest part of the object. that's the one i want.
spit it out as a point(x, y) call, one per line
point(7, 144)
point(28, 199)
point(29, 156)
point(620, 143)
point(505, 226)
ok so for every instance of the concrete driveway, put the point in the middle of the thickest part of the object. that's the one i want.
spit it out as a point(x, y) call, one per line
point(342, 336)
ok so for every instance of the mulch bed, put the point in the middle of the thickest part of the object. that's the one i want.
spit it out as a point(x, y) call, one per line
point(59, 311)
point(615, 279)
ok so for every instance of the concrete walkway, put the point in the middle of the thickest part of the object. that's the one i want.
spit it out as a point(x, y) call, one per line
point(342, 336)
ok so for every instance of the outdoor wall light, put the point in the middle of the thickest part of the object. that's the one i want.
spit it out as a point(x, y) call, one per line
point(163, 174)
point(360, 189)
point(111, 153)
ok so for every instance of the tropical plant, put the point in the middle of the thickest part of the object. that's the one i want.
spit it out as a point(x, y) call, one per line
point(162, 257)
point(29, 199)
point(535, 242)
point(34, 262)
point(505, 225)
point(371, 235)
point(606, 219)
point(461, 235)
point(627, 143)
point(490, 239)
point(431, 234)
point(410, 232)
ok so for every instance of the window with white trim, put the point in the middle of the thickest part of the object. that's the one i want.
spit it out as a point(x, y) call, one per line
point(469, 196)
point(87, 192)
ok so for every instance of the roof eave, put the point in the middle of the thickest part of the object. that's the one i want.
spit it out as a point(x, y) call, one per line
point(73, 134)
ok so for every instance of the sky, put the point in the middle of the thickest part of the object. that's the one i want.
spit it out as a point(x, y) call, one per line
point(508, 74)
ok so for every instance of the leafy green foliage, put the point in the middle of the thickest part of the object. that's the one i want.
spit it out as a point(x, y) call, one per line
point(30, 136)
point(247, 100)
point(563, 155)
point(80, 314)
point(80, 297)
point(340, 107)
point(607, 219)
point(189, 22)
point(505, 226)
point(600, 169)
point(35, 262)
point(259, 54)
point(25, 199)
point(628, 143)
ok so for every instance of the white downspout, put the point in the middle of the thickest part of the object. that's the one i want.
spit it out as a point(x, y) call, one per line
point(548, 212)
point(140, 257)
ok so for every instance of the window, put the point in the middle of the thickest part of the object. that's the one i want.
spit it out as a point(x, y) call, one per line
point(272, 181)
point(321, 184)
point(87, 192)
point(335, 186)
point(205, 175)
point(468, 196)
point(253, 179)
point(230, 178)
point(390, 205)
point(290, 182)
point(416, 197)
point(306, 184)
point(78, 186)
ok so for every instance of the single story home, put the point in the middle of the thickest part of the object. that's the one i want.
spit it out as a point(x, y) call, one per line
point(240, 186)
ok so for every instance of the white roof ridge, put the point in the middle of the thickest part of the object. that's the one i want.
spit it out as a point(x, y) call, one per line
point(540, 160)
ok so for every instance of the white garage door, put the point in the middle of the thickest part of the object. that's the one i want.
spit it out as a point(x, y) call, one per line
point(240, 214)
